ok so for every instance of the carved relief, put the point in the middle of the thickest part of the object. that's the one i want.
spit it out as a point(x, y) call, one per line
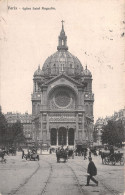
point(62, 117)
point(66, 125)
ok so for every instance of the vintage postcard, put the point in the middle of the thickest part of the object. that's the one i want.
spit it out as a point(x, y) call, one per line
point(62, 67)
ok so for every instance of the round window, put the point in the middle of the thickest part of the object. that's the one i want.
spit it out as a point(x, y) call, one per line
point(62, 99)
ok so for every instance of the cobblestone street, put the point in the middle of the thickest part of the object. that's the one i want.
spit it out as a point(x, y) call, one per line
point(18, 176)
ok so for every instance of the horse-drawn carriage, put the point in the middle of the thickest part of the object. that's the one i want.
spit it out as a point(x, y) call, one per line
point(114, 158)
point(31, 155)
point(61, 154)
point(81, 149)
point(71, 153)
point(12, 151)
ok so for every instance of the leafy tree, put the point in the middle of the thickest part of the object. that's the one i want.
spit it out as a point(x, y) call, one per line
point(113, 133)
point(3, 128)
point(95, 135)
point(15, 133)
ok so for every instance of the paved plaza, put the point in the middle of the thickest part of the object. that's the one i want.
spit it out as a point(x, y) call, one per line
point(46, 176)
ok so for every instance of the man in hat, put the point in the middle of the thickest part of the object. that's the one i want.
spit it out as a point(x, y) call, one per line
point(92, 171)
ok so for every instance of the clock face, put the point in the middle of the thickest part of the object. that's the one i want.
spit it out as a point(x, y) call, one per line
point(62, 98)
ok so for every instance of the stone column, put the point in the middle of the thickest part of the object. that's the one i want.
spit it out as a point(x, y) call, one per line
point(78, 97)
point(67, 138)
point(77, 128)
point(41, 97)
point(83, 132)
point(47, 128)
point(74, 136)
point(57, 138)
point(41, 130)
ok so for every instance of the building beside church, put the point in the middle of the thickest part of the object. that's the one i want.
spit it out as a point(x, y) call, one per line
point(62, 99)
point(100, 122)
point(25, 119)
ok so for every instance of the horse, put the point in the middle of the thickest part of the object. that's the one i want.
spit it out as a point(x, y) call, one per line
point(103, 155)
point(70, 153)
point(2, 154)
point(12, 151)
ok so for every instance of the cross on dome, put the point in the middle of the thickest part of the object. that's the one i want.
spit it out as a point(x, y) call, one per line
point(62, 23)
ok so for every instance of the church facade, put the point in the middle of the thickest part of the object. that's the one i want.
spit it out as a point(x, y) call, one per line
point(62, 99)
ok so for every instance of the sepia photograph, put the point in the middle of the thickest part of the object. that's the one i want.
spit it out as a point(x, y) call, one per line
point(62, 97)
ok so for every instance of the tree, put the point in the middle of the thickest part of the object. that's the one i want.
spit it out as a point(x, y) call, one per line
point(113, 133)
point(15, 133)
point(95, 135)
point(3, 128)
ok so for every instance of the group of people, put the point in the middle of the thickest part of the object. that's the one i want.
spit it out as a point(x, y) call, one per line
point(33, 150)
point(91, 170)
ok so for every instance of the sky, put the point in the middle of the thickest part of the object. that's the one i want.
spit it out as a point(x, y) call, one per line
point(95, 32)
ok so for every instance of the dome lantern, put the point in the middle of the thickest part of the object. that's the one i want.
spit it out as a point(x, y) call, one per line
point(62, 40)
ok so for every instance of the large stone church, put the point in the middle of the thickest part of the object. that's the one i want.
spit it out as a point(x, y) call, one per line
point(62, 99)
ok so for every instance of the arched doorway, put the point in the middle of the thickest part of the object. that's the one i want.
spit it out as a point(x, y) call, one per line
point(62, 136)
point(71, 136)
point(53, 136)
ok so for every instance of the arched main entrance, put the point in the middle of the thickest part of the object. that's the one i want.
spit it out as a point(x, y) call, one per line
point(62, 136)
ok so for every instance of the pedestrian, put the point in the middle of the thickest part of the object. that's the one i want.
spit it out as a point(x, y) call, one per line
point(92, 171)
point(22, 153)
point(90, 153)
point(85, 154)
point(111, 150)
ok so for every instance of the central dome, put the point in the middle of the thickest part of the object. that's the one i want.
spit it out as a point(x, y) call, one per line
point(62, 61)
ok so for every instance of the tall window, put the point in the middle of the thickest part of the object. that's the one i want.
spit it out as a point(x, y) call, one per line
point(62, 42)
point(87, 109)
point(38, 108)
point(35, 86)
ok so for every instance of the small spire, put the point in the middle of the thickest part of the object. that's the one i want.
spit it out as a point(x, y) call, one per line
point(86, 67)
point(39, 67)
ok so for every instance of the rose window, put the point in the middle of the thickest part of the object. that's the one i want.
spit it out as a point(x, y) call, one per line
point(62, 99)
